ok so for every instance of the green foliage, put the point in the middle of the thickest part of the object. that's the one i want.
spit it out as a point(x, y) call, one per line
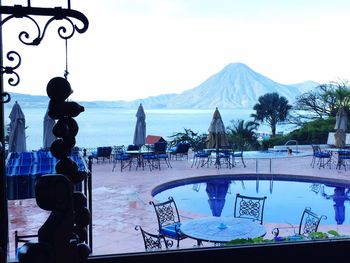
point(333, 233)
point(242, 134)
point(314, 132)
point(197, 141)
point(313, 236)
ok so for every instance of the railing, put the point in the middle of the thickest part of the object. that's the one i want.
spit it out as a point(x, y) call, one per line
point(292, 141)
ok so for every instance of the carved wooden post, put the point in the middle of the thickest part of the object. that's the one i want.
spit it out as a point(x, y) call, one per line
point(62, 237)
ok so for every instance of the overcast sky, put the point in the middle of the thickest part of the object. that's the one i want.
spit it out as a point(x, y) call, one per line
point(139, 48)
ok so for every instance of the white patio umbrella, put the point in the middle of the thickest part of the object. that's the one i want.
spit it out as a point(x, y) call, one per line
point(17, 136)
point(340, 127)
point(48, 136)
point(140, 128)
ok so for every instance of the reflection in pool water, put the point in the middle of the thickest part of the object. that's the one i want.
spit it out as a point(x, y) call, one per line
point(285, 201)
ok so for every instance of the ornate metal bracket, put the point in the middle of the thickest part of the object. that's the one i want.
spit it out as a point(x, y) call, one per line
point(64, 31)
point(56, 13)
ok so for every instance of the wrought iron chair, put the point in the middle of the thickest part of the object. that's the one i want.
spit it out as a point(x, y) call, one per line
point(121, 157)
point(322, 158)
point(235, 155)
point(309, 223)
point(201, 158)
point(22, 239)
point(154, 241)
point(343, 158)
point(250, 207)
point(225, 158)
point(160, 150)
point(168, 219)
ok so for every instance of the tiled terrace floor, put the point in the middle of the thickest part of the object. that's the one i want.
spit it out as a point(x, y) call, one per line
point(120, 200)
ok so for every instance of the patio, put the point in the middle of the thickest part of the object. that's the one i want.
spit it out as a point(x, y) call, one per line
point(121, 200)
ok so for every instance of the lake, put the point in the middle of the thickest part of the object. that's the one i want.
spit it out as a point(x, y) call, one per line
point(114, 126)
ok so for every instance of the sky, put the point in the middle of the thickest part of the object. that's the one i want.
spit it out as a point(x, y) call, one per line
point(134, 49)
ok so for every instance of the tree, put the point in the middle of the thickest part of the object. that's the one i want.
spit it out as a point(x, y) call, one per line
point(324, 101)
point(271, 109)
point(242, 134)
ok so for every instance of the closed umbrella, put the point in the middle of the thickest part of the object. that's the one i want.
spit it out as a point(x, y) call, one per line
point(339, 198)
point(217, 136)
point(17, 136)
point(140, 128)
point(340, 127)
point(48, 137)
point(216, 190)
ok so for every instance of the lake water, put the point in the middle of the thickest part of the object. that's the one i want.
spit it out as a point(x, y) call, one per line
point(114, 126)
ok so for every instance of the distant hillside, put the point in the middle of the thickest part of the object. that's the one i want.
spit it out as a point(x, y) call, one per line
point(235, 86)
point(306, 86)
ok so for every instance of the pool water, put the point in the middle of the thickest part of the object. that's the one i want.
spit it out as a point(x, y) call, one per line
point(274, 154)
point(285, 201)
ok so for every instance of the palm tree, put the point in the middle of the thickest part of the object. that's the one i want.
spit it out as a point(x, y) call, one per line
point(242, 134)
point(271, 109)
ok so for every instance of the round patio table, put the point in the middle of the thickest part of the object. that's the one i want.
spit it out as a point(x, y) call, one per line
point(221, 229)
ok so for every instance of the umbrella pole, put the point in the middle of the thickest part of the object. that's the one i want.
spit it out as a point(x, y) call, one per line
point(217, 161)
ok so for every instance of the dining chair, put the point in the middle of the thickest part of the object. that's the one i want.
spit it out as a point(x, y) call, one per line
point(121, 157)
point(201, 158)
point(235, 155)
point(321, 158)
point(168, 219)
point(249, 207)
point(343, 158)
point(160, 150)
point(309, 223)
point(154, 241)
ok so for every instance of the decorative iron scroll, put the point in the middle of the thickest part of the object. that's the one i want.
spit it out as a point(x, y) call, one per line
point(12, 56)
point(57, 13)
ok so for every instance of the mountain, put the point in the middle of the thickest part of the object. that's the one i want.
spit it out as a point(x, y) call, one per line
point(235, 86)
point(306, 86)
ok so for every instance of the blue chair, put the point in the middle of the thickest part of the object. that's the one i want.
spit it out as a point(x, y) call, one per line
point(343, 158)
point(121, 157)
point(180, 150)
point(235, 155)
point(102, 153)
point(168, 220)
point(160, 150)
point(201, 158)
point(322, 158)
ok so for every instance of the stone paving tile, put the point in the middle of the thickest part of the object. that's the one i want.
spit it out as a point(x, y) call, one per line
point(121, 200)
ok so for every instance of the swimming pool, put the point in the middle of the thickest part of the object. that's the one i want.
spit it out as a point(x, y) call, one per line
point(271, 154)
point(286, 198)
